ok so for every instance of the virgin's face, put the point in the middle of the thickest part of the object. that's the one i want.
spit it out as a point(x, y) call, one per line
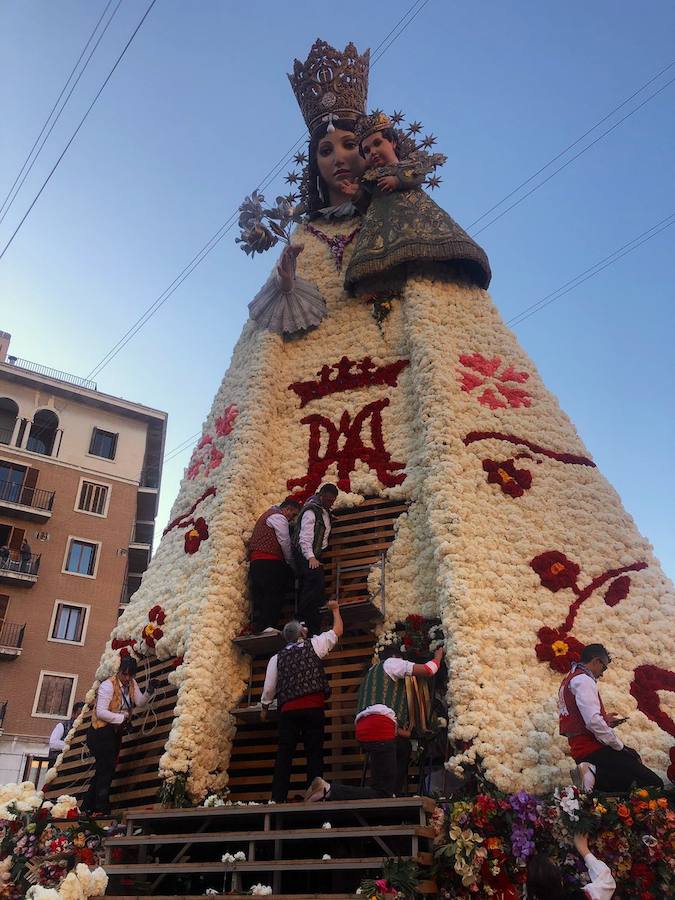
point(339, 162)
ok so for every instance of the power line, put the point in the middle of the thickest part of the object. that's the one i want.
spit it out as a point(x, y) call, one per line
point(74, 135)
point(573, 158)
point(180, 448)
point(215, 239)
point(593, 270)
point(573, 144)
point(51, 113)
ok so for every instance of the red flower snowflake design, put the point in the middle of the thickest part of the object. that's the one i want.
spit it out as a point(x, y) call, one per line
point(511, 480)
point(225, 423)
point(206, 456)
point(198, 533)
point(555, 570)
point(152, 631)
point(558, 649)
point(480, 372)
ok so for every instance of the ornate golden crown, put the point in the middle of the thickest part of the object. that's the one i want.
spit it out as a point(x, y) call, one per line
point(331, 84)
point(376, 121)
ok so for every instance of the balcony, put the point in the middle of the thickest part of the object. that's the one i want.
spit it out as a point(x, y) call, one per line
point(11, 640)
point(51, 373)
point(21, 572)
point(25, 502)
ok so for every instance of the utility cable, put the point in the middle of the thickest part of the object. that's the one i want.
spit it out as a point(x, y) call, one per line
point(53, 109)
point(75, 133)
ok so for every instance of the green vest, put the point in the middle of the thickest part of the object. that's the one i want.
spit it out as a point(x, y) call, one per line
point(378, 687)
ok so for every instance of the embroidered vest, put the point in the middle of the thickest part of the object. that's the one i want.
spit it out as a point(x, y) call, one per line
point(115, 704)
point(571, 722)
point(378, 687)
point(319, 526)
point(299, 672)
point(264, 538)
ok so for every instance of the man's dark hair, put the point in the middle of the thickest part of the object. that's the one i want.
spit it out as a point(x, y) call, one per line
point(289, 502)
point(128, 664)
point(594, 651)
point(543, 878)
point(389, 650)
point(76, 708)
point(328, 489)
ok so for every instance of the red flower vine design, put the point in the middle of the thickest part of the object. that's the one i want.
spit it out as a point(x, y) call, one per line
point(511, 480)
point(183, 520)
point(556, 572)
point(481, 372)
point(198, 533)
point(375, 456)
point(345, 379)
point(225, 423)
point(648, 680)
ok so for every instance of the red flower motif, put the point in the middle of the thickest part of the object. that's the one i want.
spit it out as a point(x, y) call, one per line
point(157, 614)
point(555, 570)
point(225, 423)
point(617, 591)
point(151, 634)
point(198, 533)
point(205, 456)
point(511, 480)
point(126, 648)
point(559, 650)
point(482, 372)
point(647, 681)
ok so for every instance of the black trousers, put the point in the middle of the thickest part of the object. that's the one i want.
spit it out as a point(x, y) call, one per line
point(389, 762)
point(618, 770)
point(312, 594)
point(295, 726)
point(104, 744)
point(270, 581)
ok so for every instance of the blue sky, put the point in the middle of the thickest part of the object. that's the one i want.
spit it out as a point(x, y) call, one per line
point(200, 108)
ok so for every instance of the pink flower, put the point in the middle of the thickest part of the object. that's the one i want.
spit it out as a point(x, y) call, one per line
point(225, 423)
point(480, 372)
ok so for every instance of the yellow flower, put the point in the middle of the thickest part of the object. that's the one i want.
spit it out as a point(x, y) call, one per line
point(560, 648)
point(600, 808)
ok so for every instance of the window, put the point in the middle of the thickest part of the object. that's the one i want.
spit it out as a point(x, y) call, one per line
point(103, 443)
point(68, 623)
point(9, 412)
point(81, 558)
point(54, 694)
point(43, 432)
point(93, 498)
point(11, 481)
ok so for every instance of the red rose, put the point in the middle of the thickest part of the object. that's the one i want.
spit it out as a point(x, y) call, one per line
point(73, 813)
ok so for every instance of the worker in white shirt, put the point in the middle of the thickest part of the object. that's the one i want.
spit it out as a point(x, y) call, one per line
point(602, 759)
point(310, 539)
point(271, 564)
point(57, 737)
point(544, 881)
point(116, 699)
point(296, 677)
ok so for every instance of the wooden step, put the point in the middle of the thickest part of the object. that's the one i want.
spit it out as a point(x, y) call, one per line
point(287, 834)
point(259, 644)
point(256, 865)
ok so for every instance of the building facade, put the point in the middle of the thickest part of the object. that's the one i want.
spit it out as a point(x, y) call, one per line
point(79, 486)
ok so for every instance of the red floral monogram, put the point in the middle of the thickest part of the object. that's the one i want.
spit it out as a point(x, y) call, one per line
point(346, 379)
point(480, 372)
point(557, 646)
point(375, 455)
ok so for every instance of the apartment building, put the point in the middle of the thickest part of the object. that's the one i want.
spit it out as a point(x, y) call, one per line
point(79, 486)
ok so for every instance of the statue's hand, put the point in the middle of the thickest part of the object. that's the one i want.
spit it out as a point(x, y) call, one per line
point(388, 183)
point(350, 188)
point(286, 266)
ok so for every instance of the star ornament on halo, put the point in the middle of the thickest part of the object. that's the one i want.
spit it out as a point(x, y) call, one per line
point(397, 117)
point(415, 127)
point(292, 178)
point(429, 141)
point(300, 158)
point(433, 181)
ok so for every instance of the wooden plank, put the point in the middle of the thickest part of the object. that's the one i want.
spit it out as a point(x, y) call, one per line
point(262, 865)
point(293, 834)
point(379, 805)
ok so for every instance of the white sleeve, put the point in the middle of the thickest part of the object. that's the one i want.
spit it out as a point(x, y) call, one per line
point(279, 523)
point(602, 884)
point(137, 696)
point(270, 686)
point(103, 700)
point(56, 738)
point(307, 534)
point(398, 668)
point(586, 694)
point(323, 643)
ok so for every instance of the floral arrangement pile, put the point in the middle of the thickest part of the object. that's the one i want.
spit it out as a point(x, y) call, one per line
point(417, 636)
point(483, 843)
point(400, 878)
point(43, 857)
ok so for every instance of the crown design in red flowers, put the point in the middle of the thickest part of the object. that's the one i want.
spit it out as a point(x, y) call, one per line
point(350, 374)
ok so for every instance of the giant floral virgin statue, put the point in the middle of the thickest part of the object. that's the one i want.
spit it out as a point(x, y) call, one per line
point(404, 384)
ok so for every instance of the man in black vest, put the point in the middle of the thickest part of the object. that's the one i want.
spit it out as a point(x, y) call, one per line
point(296, 677)
point(58, 736)
point(310, 538)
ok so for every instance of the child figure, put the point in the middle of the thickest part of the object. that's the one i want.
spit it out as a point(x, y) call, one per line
point(402, 224)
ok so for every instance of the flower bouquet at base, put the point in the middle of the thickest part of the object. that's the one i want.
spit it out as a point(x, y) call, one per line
point(400, 878)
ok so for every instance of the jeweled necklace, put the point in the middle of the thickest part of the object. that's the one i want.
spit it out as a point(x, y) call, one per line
point(337, 244)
